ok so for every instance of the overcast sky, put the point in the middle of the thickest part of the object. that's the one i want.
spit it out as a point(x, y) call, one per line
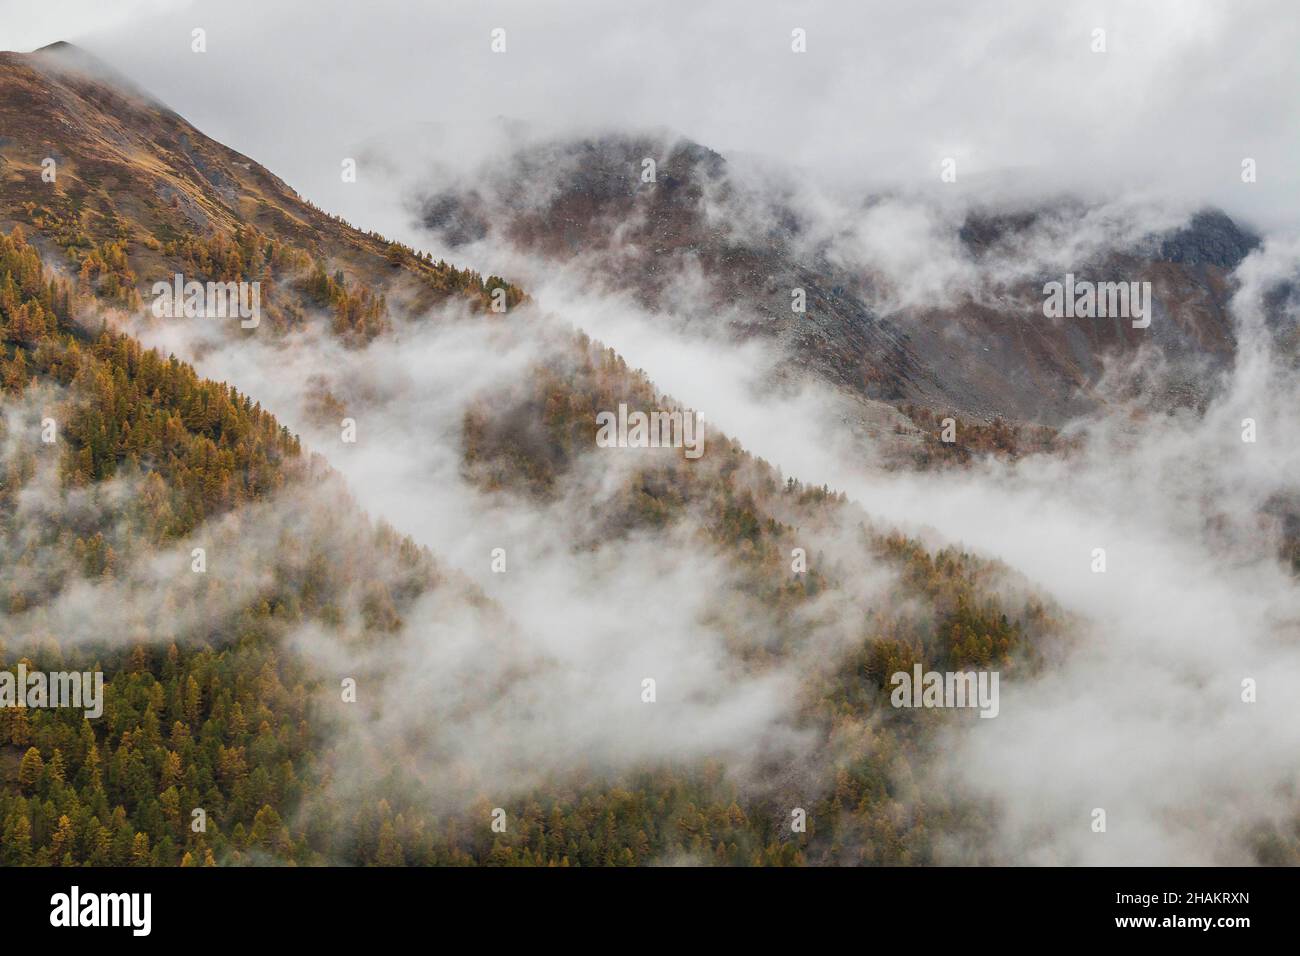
point(1184, 91)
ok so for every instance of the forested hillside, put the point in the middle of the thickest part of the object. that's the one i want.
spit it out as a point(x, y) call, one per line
point(220, 716)
point(217, 717)
point(136, 193)
point(290, 681)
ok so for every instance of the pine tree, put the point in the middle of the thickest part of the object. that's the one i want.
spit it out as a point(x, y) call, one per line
point(140, 850)
point(390, 848)
point(31, 770)
point(17, 843)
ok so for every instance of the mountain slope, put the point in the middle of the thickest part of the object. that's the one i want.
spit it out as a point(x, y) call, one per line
point(131, 172)
point(986, 352)
point(224, 685)
point(211, 704)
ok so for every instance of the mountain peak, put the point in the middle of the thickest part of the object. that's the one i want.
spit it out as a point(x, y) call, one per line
point(69, 60)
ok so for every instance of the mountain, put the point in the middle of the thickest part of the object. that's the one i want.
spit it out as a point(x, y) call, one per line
point(326, 690)
point(987, 352)
point(222, 676)
point(128, 170)
point(208, 704)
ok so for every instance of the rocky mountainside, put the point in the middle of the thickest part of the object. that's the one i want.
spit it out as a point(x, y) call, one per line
point(984, 352)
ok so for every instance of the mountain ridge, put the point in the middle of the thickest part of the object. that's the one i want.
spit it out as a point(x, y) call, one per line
point(585, 197)
point(130, 169)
